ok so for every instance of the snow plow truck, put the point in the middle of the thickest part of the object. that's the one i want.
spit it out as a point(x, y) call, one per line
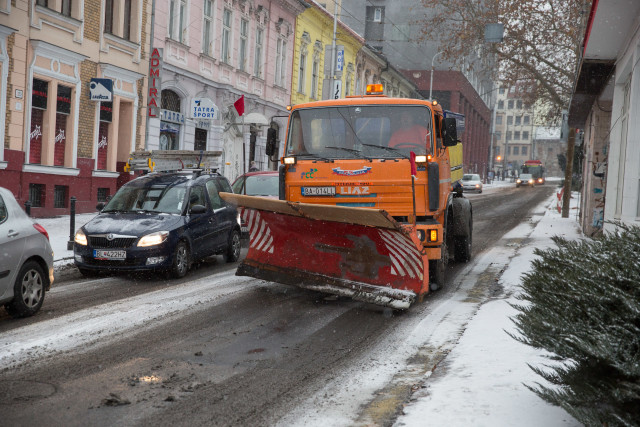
point(368, 207)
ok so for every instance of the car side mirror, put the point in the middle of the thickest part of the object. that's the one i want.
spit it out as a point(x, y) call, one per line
point(100, 206)
point(450, 132)
point(198, 209)
point(272, 144)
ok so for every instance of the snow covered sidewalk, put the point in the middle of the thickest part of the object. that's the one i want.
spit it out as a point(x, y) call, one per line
point(481, 382)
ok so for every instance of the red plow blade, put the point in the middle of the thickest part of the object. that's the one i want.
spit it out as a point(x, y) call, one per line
point(356, 252)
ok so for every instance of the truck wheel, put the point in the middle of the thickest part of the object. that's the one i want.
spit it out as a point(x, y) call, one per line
point(437, 269)
point(463, 246)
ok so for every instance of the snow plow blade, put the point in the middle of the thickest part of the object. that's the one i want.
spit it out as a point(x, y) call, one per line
point(357, 252)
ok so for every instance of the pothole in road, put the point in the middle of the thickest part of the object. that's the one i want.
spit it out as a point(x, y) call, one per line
point(24, 391)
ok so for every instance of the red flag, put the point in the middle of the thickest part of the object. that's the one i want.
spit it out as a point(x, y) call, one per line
point(412, 160)
point(239, 104)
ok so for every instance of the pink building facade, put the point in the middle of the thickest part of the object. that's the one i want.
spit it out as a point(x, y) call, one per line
point(214, 53)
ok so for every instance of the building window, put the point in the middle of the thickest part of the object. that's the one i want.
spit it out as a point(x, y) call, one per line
point(516, 135)
point(169, 131)
point(126, 28)
point(498, 120)
point(498, 135)
point(510, 120)
point(510, 104)
point(497, 150)
point(244, 35)
point(500, 105)
point(226, 36)
point(302, 71)
point(314, 79)
point(182, 34)
point(508, 150)
point(108, 16)
point(60, 196)
point(207, 28)
point(36, 195)
point(106, 117)
point(518, 120)
point(44, 3)
point(519, 104)
point(200, 141)
point(257, 62)
point(103, 194)
point(509, 136)
point(63, 110)
point(113, 9)
point(281, 61)
point(39, 95)
point(525, 120)
point(172, 9)
point(524, 150)
point(64, 7)
point(516, 151)
point(525, 135)
point(377, 14)
point(501, 91)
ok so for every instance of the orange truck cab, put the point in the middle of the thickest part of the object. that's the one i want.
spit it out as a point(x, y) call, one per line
point(368, 206)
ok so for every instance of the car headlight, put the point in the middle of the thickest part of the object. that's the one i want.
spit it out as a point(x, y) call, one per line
point(239, 220)
point(518, 181)
point(80, 238)
point(153, 238)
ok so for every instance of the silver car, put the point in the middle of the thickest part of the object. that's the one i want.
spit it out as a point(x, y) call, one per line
point(471, 182)
point(26, 259)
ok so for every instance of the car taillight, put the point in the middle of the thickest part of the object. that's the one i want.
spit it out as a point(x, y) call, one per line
point(42, 230)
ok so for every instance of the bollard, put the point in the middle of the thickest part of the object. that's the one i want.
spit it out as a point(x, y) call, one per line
point(27, 207)
point(72, 222)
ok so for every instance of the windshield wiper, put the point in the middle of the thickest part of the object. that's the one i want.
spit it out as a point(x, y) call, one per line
point(312, 155)
point(349, 150)
point(114, 211)
point(393, 150)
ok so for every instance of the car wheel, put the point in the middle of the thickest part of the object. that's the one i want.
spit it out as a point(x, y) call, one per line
point(181, 261)
point(28, 291)
point(233, 250)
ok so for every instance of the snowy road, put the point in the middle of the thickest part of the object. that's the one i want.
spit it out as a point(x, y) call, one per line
point(216, 349)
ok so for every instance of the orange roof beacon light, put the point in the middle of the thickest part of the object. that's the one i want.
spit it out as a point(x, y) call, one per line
point(375, 89)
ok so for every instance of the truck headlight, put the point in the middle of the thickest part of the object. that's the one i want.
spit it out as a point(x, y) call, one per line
point(153, 238)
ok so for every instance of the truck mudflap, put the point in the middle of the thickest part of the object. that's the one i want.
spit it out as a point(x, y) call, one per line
point(361, 253)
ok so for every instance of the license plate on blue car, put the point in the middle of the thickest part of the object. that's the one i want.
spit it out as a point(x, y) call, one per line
point(108, 254)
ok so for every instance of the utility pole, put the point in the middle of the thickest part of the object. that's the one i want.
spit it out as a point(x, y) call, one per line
point(568, 173)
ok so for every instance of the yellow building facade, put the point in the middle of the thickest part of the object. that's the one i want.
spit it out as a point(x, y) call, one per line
point(311, 60)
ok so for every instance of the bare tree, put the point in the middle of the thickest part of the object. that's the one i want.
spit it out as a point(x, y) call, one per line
point(541, 46)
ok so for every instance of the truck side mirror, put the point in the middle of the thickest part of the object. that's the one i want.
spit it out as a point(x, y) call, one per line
point(272, 144)
point(450, 132)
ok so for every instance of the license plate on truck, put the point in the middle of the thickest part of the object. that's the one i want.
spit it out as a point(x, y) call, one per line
point(102, 254)
point(318, 191)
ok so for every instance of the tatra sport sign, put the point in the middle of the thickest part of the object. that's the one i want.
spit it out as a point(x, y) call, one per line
point(203, 109)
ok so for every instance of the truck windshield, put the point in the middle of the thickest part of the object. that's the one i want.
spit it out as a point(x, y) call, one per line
point(380, 131)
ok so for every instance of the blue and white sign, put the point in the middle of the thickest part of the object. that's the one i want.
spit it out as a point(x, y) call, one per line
point(339, 58)
point(101, 90)
point(203, 109)
point(171, 116)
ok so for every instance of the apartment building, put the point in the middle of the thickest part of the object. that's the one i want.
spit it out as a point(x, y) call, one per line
point(215, 53)
point(58, 143)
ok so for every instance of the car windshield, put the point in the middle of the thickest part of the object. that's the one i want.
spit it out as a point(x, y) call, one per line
point(161, 198)
point(471, 177)
point(360, 132)
point(257, 185)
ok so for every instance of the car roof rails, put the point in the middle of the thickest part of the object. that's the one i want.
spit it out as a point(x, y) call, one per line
point(173, 161)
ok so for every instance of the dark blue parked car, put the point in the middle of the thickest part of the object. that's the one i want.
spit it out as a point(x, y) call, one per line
point(160, 221)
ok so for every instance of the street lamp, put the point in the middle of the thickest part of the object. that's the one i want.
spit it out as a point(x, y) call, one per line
point(431, 82)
